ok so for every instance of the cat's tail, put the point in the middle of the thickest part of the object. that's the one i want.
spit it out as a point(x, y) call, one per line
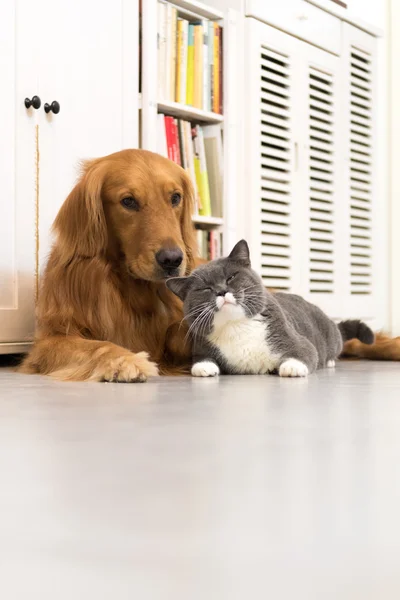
point(356, 329)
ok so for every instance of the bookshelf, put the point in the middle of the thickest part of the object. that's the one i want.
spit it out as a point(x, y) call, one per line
point(154, 103)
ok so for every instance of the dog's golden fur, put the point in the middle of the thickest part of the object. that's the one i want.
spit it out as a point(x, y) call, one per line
point(384, 348)
point(104, 312)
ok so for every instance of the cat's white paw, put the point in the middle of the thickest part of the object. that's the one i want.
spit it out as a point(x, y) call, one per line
point(330, 364)
point(293, 368)
point(206, 368)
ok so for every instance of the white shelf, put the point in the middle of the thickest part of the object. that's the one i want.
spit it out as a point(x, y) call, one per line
point(207, 221)
point(192, 7)
point(189, 113)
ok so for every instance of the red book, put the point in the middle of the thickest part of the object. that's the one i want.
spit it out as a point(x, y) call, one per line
point(169, 135)
point(220, 69)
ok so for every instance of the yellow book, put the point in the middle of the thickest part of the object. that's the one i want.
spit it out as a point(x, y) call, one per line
point(190, 67)
point(198, 66)
point(215, 107)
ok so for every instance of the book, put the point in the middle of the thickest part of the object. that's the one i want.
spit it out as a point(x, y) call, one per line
point(216, 101)
point(210, 65)
point(205, 85)
point(191, 168)
point(181, 61)
point(198, 67)
point(220, 73)
point(169, 136)
point(190, 67)
point(161, 45)
point(161, 136)
point(201, 171)
point(176, 143)
point(215, 166)
point(171, 90)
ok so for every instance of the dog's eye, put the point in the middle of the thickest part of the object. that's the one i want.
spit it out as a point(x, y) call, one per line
point(176, 198)
point(130, 203)
point(231, 278)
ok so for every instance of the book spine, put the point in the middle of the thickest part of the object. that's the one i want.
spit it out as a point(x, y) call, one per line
point(184, 60)
point(168, 51)
point(198, 66)
point(179, 41)
point(205, 94)
point(205, 190)
point(177, 143)
point(197, 169)
point(216, 68)
point(190, 67)
point(189, 145)
point(169, 136)
point(210, 65)
point(221, 86)
point(172, 33)
point(161, 44)
point(182, 144)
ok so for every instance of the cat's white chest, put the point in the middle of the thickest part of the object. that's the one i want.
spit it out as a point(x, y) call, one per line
point(243, 344)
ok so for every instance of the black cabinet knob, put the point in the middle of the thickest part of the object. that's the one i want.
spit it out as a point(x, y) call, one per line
point(54, 107)
point(35, 102)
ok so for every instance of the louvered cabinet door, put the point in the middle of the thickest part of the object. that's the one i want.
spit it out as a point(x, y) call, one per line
point(366, 235)
point(271, 174)
point(324, 270)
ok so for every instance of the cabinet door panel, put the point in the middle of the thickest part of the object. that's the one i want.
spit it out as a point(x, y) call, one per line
point(272, 168)
point(84, 65)
point(17, 174)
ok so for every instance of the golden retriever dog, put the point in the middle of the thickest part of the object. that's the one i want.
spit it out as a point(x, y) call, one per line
point(104, 312)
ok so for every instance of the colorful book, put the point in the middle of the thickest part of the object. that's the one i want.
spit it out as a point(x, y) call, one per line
point(169, 136)
point(181, 60)
point(190, 66)
point(220, 71)
point(201, 171)
point(198, 67)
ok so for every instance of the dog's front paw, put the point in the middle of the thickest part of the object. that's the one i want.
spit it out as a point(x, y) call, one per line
point(293, 368)
point(205, 368)
point(130, 368)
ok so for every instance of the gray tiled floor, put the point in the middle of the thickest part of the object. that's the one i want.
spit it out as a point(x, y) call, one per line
point(246, 487)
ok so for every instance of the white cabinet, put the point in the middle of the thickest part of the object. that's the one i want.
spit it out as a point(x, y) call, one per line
point(85, 57)
point(310, 135)
point(18, 128)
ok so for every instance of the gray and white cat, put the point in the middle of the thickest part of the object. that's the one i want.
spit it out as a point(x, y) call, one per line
point(239, 327)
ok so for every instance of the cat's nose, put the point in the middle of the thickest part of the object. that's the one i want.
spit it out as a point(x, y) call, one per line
point(222, 293)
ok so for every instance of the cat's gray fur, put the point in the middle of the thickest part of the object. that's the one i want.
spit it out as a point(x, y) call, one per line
point(293, 330)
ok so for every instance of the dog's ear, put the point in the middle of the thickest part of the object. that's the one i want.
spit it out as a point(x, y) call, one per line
point(188, 232)
point(179, 286)
point(80, 224)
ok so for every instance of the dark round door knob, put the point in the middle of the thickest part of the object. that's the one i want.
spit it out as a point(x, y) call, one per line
point(35, 102)
point(54, 107)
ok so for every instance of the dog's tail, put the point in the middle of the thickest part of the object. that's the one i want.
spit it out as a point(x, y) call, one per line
point(356, 329)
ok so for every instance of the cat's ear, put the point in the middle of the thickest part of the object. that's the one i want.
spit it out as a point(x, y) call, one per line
point(179, 285)
point(241, 254)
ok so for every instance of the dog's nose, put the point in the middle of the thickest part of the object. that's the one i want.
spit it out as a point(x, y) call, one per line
point(169, 259)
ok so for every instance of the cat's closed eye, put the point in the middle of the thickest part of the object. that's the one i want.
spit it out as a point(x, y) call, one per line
point(206, 290)
point(231, 278)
